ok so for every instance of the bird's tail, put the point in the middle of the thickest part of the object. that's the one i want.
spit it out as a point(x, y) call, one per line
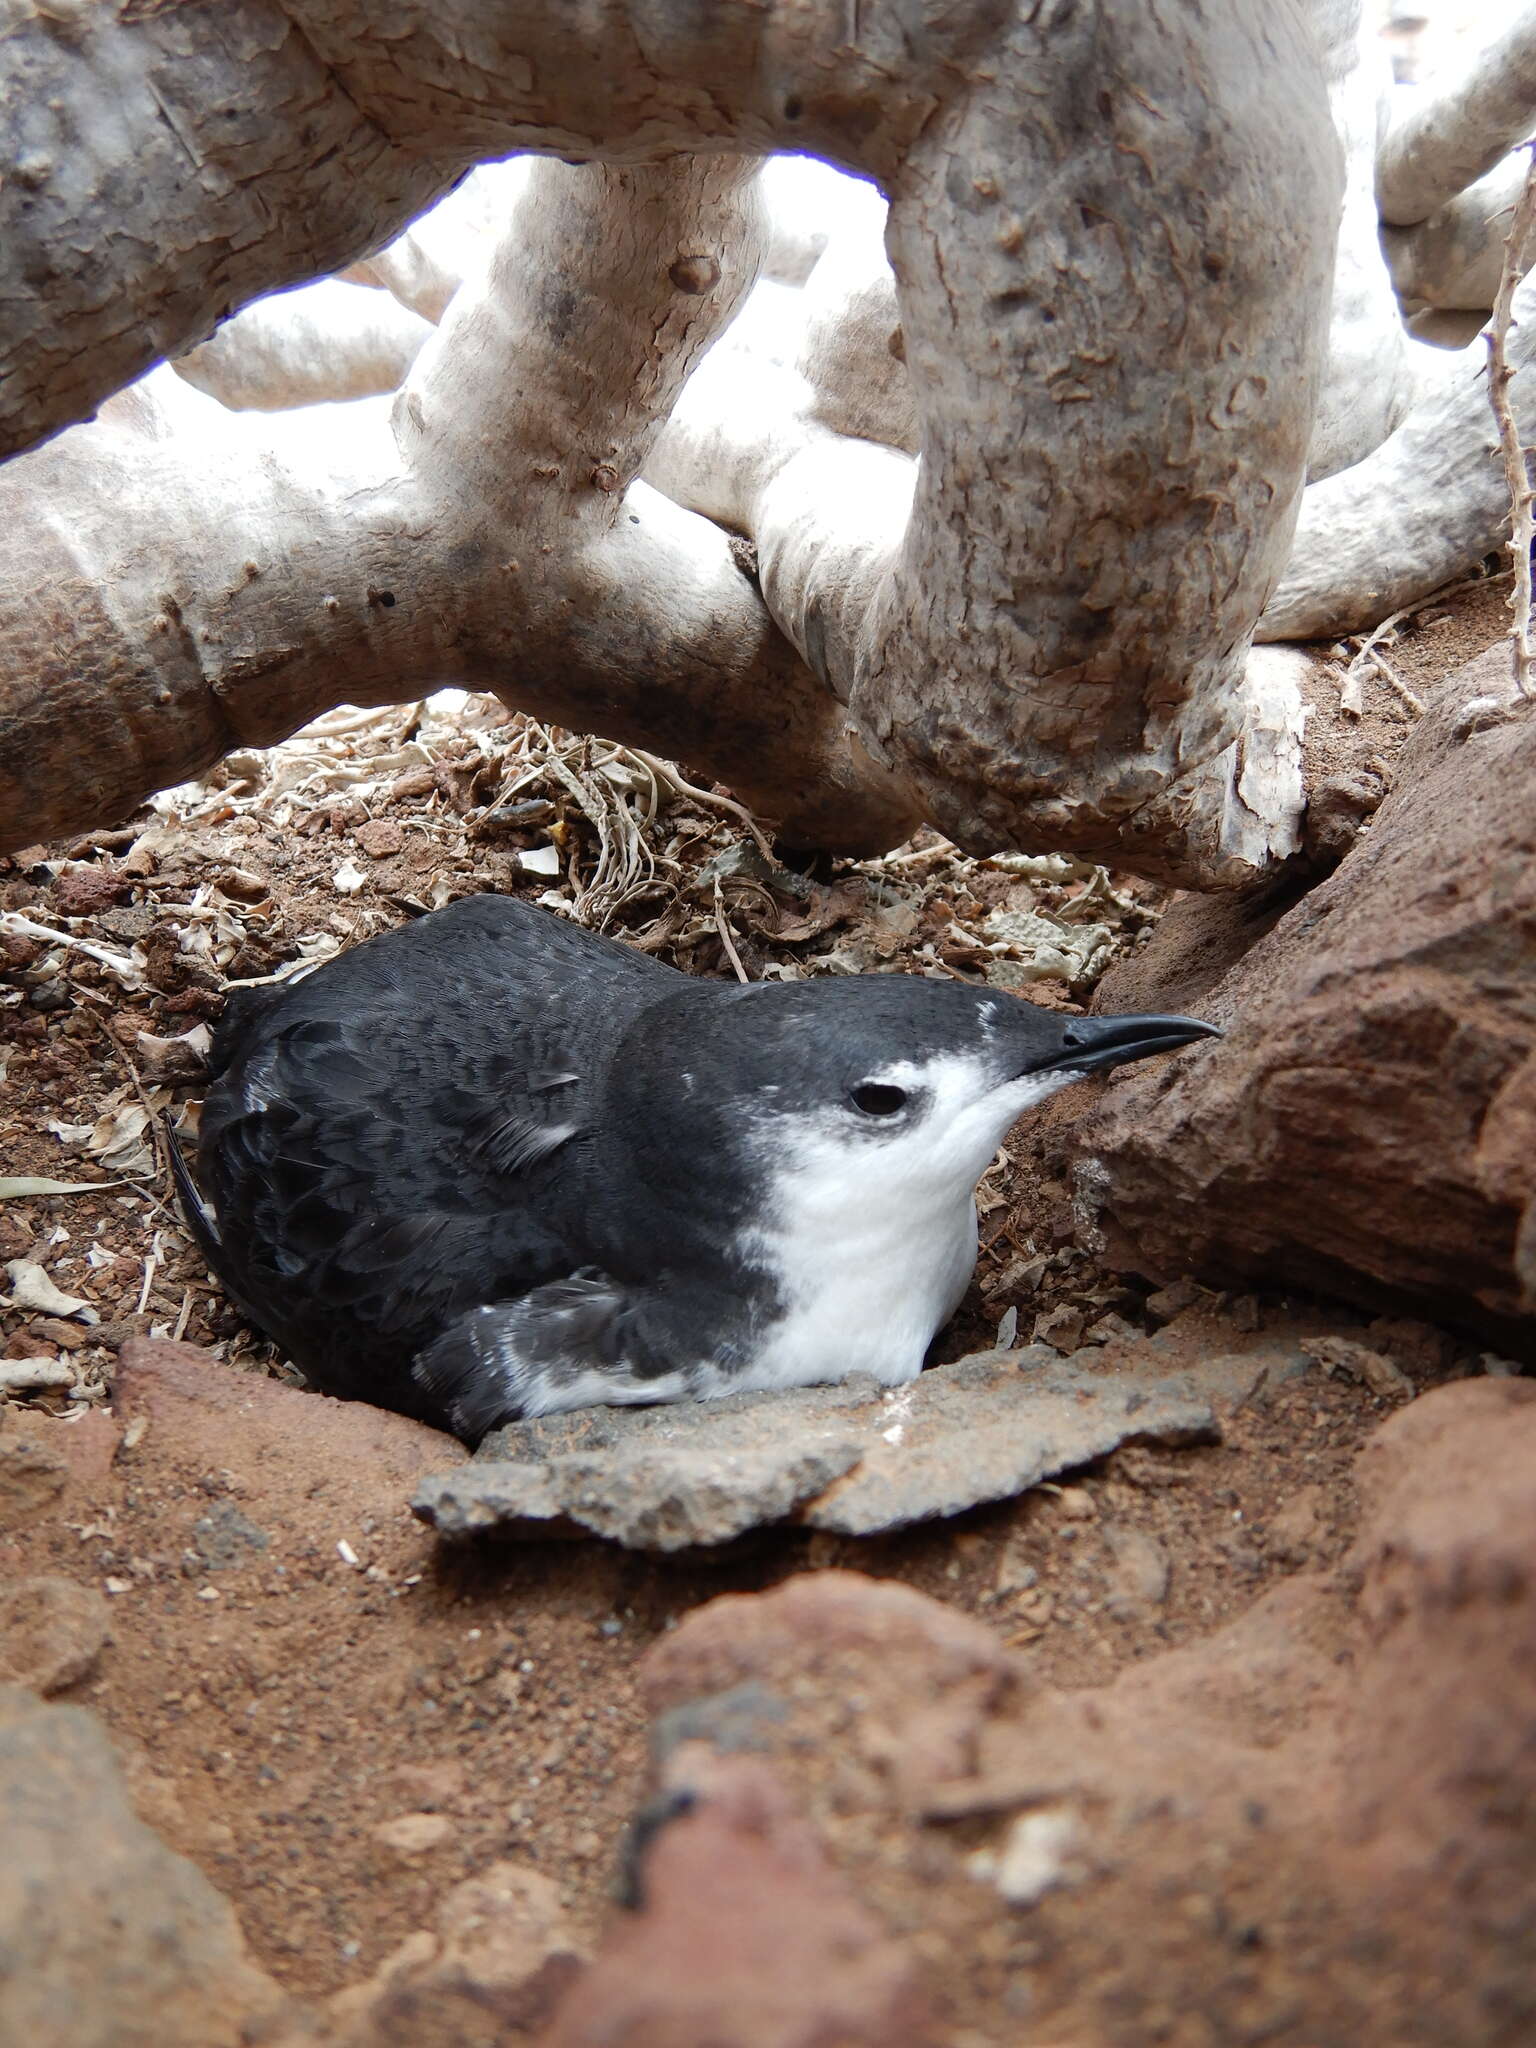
point(199, 1216)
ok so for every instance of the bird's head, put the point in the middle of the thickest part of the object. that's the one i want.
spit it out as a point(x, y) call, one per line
point(874, 1084)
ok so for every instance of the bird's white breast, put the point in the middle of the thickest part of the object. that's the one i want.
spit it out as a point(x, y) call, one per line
point(871, 1245)
point(868, 1296)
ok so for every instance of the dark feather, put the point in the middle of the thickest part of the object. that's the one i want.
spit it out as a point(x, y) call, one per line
point(509, 1144)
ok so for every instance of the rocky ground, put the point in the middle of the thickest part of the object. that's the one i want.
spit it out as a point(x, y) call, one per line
point(1199, 1712)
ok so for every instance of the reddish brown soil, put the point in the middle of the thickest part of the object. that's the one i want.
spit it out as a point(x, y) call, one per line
point(276, 1724)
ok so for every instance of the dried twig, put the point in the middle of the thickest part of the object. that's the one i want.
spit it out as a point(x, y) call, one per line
point(665, 773)
point(725, 934)
point(1516, 470)
point(1384, 668)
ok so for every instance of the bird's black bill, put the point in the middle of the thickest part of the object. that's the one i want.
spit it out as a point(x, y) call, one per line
point(1092, 1044)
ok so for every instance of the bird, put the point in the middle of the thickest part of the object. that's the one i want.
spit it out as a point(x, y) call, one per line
point(489, 1166)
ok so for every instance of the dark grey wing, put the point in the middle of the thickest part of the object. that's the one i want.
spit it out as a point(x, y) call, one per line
point(396, 1139)
point(507, 1359)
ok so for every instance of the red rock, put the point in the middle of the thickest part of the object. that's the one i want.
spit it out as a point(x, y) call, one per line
point(1439, 1775)
point(306, 1471)
point(927, 1676)
point(34, 1469)
point(1317, 1825)
point(503, 1954)
point(747, 1938)
point(1368, 1126)
point(380, 837)
point(89, 1443)
point(108, 1937)
point(85, 891)
point(183, 1388)
point(51, 1632)
point(61, 1335)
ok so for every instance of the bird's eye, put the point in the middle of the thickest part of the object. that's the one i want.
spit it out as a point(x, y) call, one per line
point(875, 1098)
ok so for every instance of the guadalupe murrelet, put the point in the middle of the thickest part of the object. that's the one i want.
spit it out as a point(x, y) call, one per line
point(490, 1165)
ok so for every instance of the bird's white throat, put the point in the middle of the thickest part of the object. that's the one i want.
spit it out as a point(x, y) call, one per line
point(871, 1236)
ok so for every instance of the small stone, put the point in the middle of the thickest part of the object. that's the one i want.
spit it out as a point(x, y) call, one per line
point(64, 1336)
point(1077, 1504)
point(1172, 1301)
point(1138, 1575)
point(1015, 1574)
point(1061, 1328)
point(1357, 1362)
point(413, 1834)
point(380, 837)
point(1246, 1313)
point(429, 1787)
point(1292, 1531)
point(1037, 1856)
point(1112, 1329)
point(33, 1474)
point(242, 886)
point(51, 1633)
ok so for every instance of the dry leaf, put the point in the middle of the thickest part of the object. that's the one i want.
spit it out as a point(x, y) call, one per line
point(24, 1375)
point(31, 1288)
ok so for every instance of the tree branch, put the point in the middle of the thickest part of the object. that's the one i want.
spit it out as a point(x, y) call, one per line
point(1444, 141)
point(1111, 305)
point(1421, 511)
point(1517, 474)
point(485, 535)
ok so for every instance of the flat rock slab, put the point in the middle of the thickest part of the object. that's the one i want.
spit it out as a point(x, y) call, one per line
point(855, 1458)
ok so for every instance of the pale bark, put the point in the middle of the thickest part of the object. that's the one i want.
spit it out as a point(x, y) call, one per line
point(156, 181)
point(321, 343)
point(1369, 376)
point(1442, 142)
point(852, 349)
point(1421, 511)
point(1446, 330)
point(488, 535)
point(1454, 258)
point(425, 266)
point(804, 201)
point(1111, 233)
